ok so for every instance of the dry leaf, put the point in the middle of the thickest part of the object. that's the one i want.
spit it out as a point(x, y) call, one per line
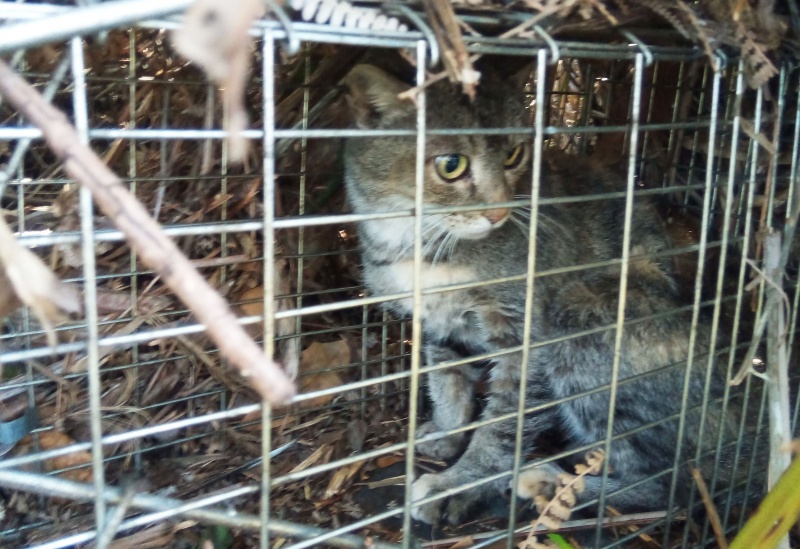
point(595, 460)
point(36, 285)
point(552, 513)
point(215, 36)
point(356, 433)
point(568, 497)
point(113, 301)
point(287, 350)
point(399, 480)
point(322, 356)
point(549, 521)
point(157, 535)
point(51, 440)
point(215, 32)
point(558, 509)
point(340, 478)
point(464, 542)
point(540, 502)
point(8, 299)
point(750, 130)
point(387, 461)
point(320, 455)
point(758, 66)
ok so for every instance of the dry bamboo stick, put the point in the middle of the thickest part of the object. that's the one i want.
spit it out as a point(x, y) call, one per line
point(780, 434)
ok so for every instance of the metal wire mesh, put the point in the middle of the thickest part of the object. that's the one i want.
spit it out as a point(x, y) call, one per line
point(134, 391)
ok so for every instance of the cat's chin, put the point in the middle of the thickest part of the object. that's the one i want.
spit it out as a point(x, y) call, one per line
point(479, 232)
point(475, 234)
point(474, 227)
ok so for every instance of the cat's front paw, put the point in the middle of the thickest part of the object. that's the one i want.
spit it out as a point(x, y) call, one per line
point(444, 448)
point(454, 508)
point(539, 481)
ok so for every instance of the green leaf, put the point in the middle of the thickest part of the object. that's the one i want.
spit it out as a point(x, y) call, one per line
point(560, 541)
point(776, 514)
point(220, 536)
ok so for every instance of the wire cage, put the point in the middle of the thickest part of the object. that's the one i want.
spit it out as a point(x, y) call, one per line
point(132, 431)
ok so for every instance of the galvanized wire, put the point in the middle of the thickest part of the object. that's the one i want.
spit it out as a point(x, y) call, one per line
point(623, 279)
point(277, 140)
point(89, 288)
point(536, 170)
point(416, 315)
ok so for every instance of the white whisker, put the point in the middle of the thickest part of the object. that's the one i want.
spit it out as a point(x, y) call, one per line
point(441, 247)
point(523, 227)
point(452, 248)
point(425, 232)
point(433, 241)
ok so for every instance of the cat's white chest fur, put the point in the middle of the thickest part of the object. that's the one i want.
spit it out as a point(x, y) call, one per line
point(437, 308)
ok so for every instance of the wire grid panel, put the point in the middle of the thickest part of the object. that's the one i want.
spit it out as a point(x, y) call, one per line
point(134, 390)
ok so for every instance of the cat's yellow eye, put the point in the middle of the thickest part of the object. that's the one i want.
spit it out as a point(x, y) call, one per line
point(514, 157)
point(451, 166)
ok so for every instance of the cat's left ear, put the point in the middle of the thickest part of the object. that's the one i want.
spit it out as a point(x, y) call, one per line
point(502, 75)
point(373, 96)
point(520, 78)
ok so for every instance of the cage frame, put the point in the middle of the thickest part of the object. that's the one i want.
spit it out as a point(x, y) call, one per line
point(420, 42)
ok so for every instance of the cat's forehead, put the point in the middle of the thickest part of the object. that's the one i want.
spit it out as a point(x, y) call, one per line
point(471, 145)
point(449, 107)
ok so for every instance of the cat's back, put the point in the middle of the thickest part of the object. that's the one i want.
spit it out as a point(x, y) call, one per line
point(589, 202)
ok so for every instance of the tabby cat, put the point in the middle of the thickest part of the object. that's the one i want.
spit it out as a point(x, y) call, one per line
point(464, 170)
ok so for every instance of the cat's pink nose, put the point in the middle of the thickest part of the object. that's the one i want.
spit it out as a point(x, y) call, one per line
point(496, 216)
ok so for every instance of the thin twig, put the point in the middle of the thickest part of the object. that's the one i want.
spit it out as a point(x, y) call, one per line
point(772, 149)
point(560, 505)
point(566, 526)
point(711, 509)
point(221, 261)
point(758, 333)
point(454, 55)
point(770, 282)
point(147, 238)
point(791, 226)
point(516, 31)
point(647, 538)
point(114, 520)
point(411, 93)
point(761, 324)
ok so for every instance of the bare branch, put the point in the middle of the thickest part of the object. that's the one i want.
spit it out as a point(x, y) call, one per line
point(456, 59)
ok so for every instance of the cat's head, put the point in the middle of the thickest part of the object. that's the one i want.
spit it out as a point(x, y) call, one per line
point(460, 170)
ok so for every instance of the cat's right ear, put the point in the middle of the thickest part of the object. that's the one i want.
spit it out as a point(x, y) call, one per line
point(372, 96)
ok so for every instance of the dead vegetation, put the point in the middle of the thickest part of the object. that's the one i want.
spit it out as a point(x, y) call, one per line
point(135, 81)
point(159, 380)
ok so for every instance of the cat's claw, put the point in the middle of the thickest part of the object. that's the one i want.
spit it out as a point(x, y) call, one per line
point(443, 448)
point(454, 508)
